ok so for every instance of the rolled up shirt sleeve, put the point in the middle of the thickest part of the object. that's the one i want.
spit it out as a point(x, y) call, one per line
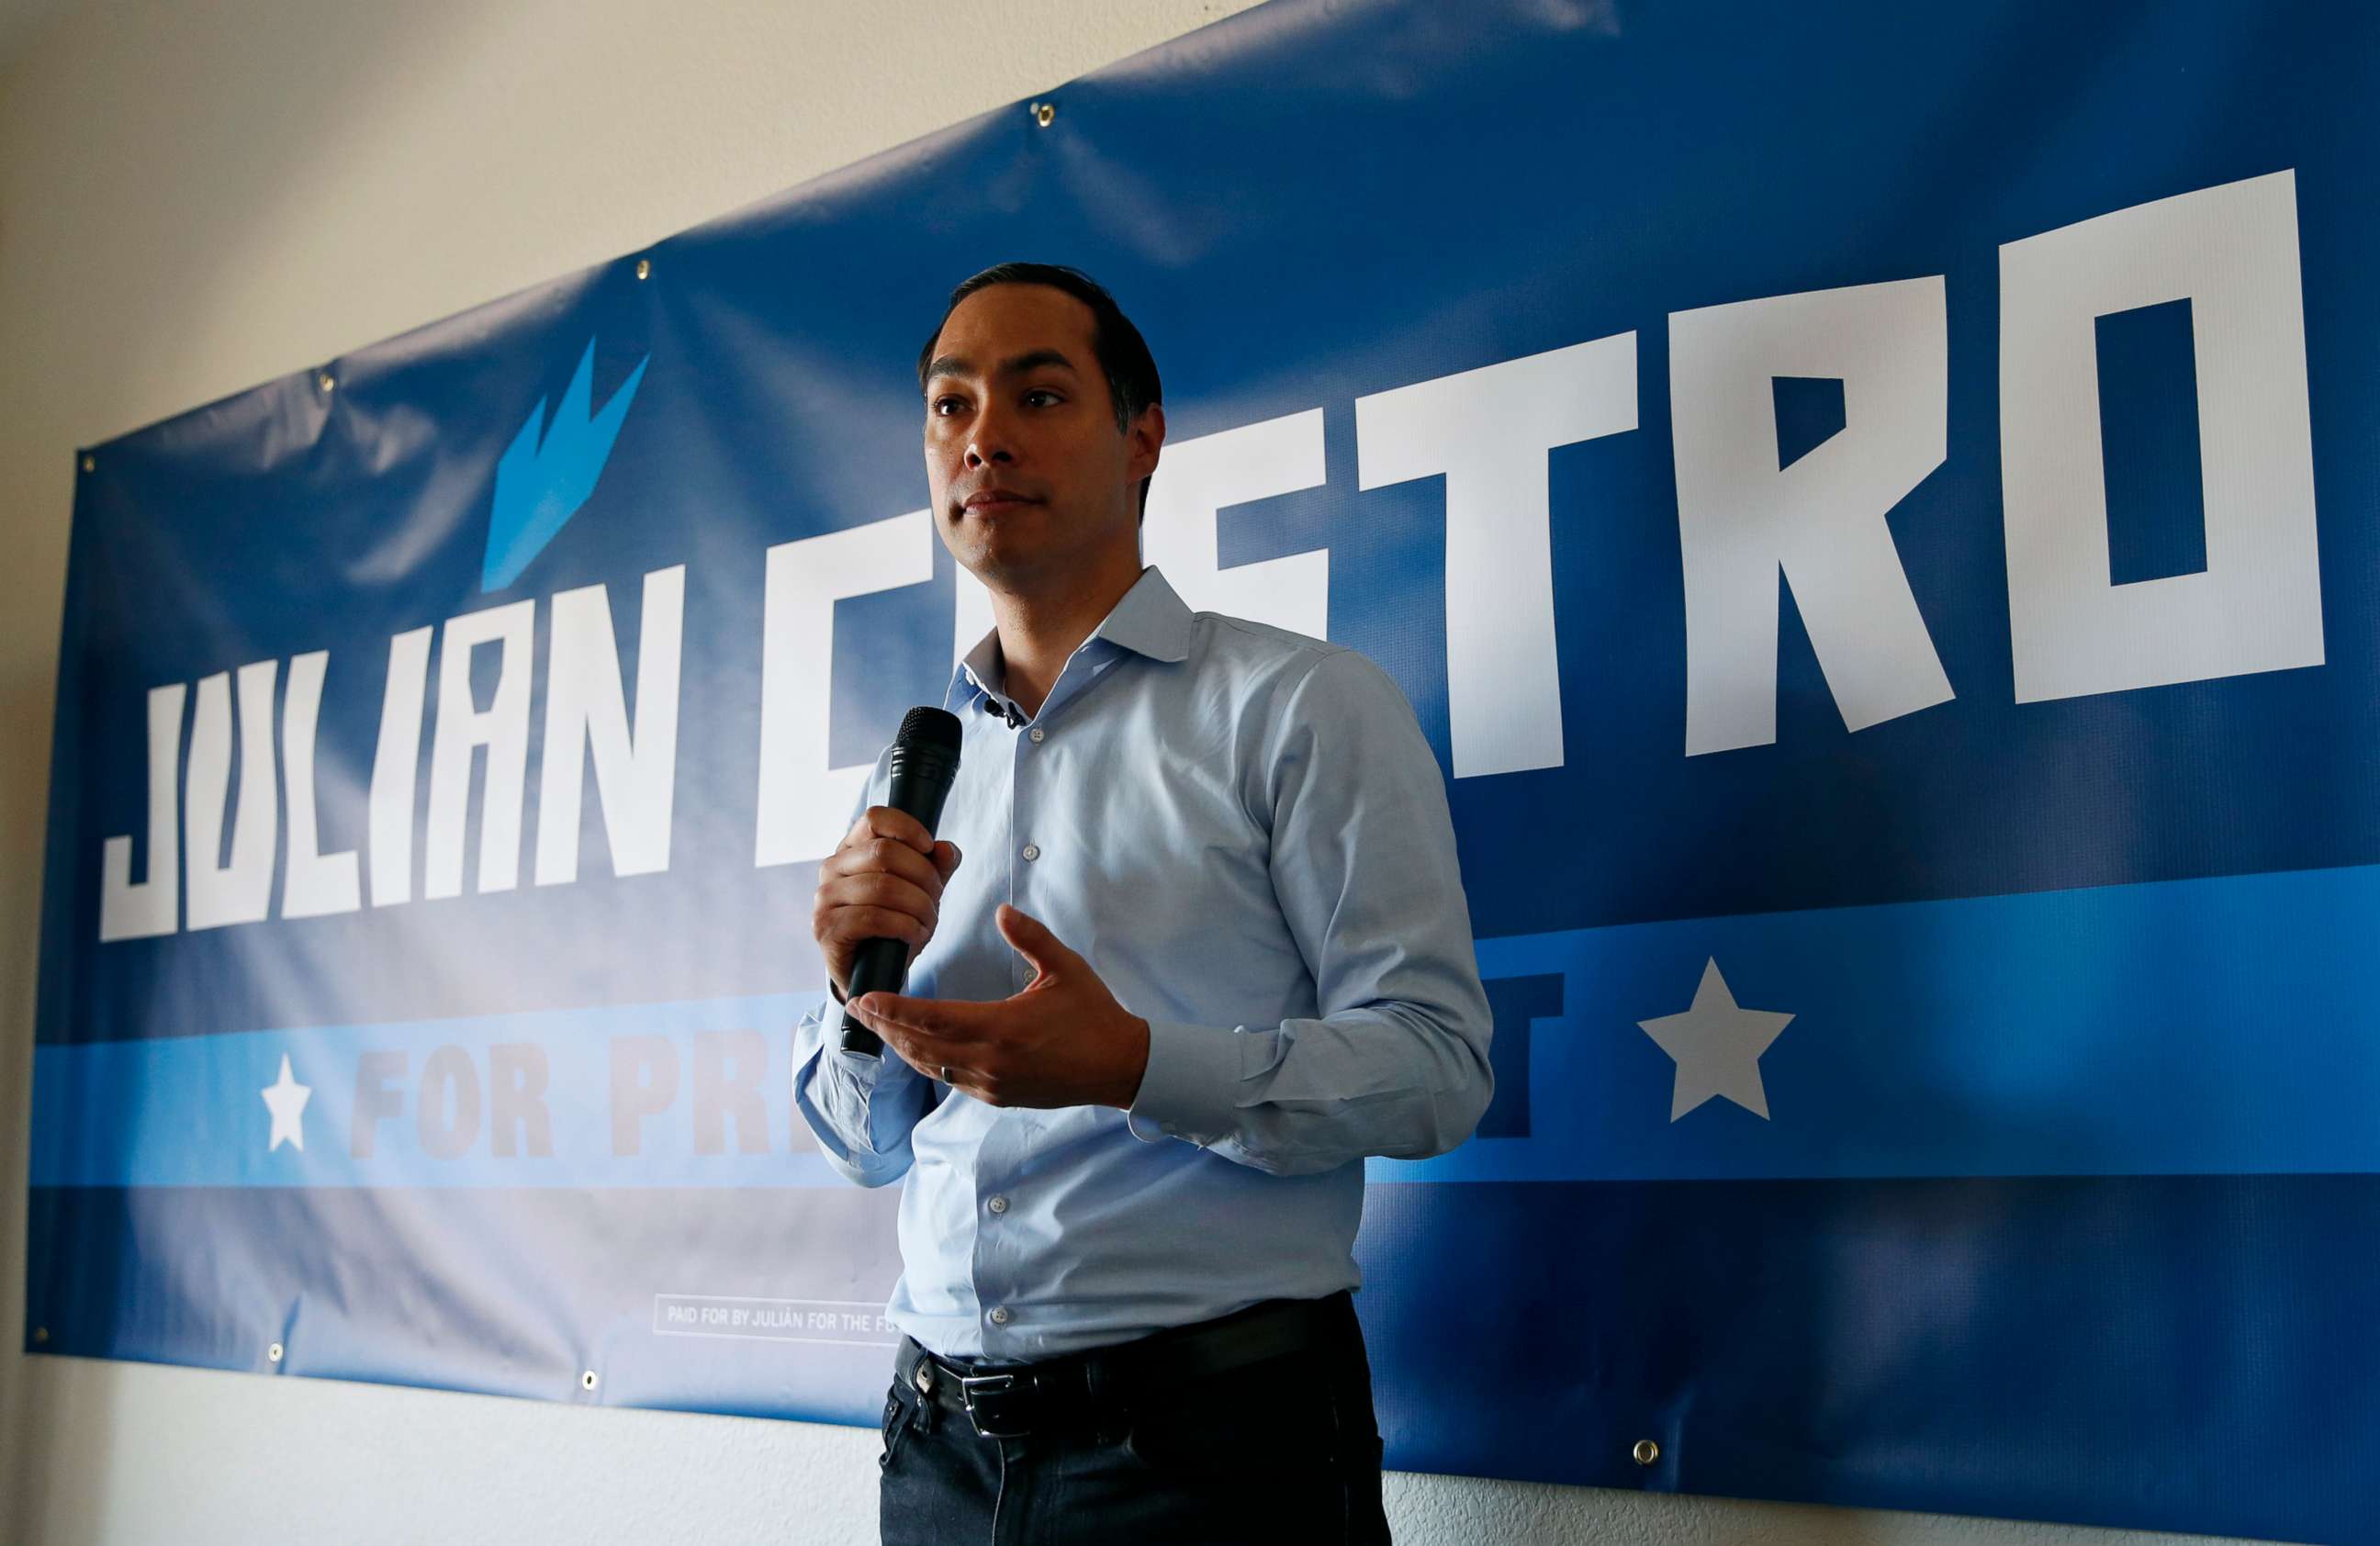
point(1363, 867)
point(862, 1109)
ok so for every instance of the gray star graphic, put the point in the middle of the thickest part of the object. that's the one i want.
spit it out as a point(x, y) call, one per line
point(1716, 1047)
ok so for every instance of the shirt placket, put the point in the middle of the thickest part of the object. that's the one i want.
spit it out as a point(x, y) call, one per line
point(992, 1265)
point(995, 1200)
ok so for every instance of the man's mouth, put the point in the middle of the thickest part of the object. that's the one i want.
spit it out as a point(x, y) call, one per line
point(992, 502)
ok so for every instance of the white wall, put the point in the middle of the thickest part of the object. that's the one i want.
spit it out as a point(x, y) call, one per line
point(197, 196)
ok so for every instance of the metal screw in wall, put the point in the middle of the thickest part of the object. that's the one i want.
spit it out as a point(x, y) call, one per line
point(88, 463)
point(1645, 1452)
point(324, 381)
point(587, 1381)
point(273, 1354)
point(40, 1333)
point(1043, 112)
point(644, 267)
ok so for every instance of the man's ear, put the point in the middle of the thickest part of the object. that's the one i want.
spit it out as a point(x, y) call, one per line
point(1144, 440)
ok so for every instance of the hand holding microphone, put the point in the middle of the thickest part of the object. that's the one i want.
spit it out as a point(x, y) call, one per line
point(1062, 1041)
point(879, 893)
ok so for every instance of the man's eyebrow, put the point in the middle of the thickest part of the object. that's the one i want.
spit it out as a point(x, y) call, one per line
point(1016, 365)
point(1033, 359)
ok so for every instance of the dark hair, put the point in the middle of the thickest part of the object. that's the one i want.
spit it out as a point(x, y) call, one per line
point(1123, 354)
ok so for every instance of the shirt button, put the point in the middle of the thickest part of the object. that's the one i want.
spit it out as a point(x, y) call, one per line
point(1031, 853)
point(1036, 733)
point(998, 1204)
point(1000, 1316)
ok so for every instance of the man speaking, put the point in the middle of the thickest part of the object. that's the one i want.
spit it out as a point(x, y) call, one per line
point(1189, 942)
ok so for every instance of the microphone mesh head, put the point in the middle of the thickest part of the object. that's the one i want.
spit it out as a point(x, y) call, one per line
point(929, 729)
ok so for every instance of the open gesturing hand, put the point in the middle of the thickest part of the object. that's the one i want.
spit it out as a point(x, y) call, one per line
point(1062, 1041)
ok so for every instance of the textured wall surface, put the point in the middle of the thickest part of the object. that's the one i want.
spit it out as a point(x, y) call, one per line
point(198, 195)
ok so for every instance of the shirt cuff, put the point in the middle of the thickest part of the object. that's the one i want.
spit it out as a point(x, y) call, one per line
point(1186, 1091)
point(863, 1069)
point(860, 1071)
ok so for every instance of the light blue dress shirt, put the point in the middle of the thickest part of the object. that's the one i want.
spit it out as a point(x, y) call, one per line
point(1243, 831)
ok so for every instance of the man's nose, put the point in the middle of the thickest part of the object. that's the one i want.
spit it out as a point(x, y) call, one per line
point(988, 439)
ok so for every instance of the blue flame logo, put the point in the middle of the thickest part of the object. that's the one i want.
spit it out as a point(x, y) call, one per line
point(540, 485)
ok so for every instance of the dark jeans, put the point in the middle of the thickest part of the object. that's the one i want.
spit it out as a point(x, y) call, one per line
point(1286, 1450)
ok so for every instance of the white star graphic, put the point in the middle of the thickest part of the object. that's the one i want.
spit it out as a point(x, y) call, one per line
point(1716, 1047)
point(287, 1099)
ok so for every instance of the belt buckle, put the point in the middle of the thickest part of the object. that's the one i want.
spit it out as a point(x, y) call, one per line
point(995, 1401)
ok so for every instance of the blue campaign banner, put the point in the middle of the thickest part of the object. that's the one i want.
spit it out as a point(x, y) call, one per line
point(1869, 504)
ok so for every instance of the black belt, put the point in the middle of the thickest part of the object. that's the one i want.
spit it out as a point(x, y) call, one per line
point(1008, 1401)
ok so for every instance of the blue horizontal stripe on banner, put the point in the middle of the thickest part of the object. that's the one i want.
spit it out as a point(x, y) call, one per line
point(702, 1099)
point(1982, 1036)
point(2008, 1036)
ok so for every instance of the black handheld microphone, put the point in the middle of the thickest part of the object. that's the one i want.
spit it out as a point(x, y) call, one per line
point(925, 765)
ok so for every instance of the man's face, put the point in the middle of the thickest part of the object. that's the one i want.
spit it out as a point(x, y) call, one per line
point(1030, 478)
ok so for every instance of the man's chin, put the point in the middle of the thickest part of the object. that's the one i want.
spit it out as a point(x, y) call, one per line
point(999, 565)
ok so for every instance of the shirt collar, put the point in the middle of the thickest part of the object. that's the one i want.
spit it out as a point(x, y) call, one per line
point(1150, 620)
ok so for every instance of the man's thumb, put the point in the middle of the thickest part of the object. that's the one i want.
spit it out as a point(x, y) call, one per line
point(1031, 939)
